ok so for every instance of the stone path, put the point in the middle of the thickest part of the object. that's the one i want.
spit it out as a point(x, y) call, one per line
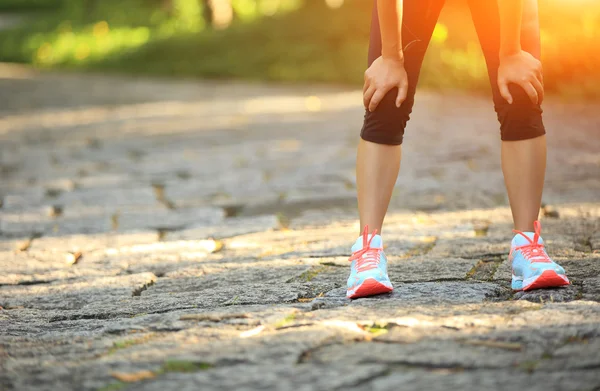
point(158, 235)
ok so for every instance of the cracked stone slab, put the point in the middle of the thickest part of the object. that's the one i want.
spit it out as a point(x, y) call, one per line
point(304, 377)
point(27, 269)
point(427, 268)
point(268, 297)
point(470, 248)
point(505, 379)
point(227, 228)
point(108, 198)
point(281, 342)
point(574, 318)
point(195, 192)
point(292, 244)
point(38, 221)
point(169, 219)
point(418, 293)
point(77, 294)
point(86, 243)
point(275, 275)
point(591, 289)
point(273, 377)
point(431, 353)
point(578, 268)
point(531, 347)
point(52, 327)
point(585, 349)
point(559, 294)
point(113, 303)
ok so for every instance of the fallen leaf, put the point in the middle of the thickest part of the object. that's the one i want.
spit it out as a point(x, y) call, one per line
point(73, 258)
point(133, 377)
point(24, 245)
point(218, 246)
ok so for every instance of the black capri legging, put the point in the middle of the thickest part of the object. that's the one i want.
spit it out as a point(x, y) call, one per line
point(520, 120)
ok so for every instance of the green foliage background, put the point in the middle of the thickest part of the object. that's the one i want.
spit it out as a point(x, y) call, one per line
point(282, 40)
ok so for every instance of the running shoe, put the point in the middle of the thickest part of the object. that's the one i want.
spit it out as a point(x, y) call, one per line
point(532, 268)
point(368, 272)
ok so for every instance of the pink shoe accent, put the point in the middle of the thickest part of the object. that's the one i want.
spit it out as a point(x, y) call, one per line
point(369, 287)
point(368, 257)
point(548, 279)
point(534, 251)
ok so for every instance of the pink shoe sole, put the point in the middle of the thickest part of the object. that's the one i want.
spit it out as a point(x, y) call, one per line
point(369, 287)
point(548, 279)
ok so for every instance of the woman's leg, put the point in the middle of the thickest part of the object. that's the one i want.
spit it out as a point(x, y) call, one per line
point(524, 167)
point(521, 126)
point(523, 151)
point(379, 150)
point(377, 167)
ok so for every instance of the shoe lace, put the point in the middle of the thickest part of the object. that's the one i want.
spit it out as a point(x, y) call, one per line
point(533, 251)
point(368, 257)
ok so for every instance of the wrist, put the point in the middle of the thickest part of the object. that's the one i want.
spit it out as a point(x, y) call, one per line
point(393, 55)
point(507, 51)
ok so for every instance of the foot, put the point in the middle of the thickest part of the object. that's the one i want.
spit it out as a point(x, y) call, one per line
point(532, 268)
point(368, 272)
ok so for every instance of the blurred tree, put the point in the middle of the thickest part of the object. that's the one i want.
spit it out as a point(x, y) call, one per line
point(217, 13)
point(90, 7)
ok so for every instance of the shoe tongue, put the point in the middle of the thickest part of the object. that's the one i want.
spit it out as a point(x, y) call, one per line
point(519, 240)
point(377, 242)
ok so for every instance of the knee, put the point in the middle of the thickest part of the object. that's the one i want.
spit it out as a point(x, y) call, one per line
point(386, 124)
point(520, 120)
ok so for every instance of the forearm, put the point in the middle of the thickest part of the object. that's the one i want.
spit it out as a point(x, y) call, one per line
point(511, 13)
point(389, 13)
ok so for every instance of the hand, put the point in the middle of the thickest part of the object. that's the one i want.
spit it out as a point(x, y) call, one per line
point(383, 75)
point(523, 69)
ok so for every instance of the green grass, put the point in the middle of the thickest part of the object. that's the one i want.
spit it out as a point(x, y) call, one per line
point(127, 343)
point(304, 41)
point(289, 319)
point(184, 366)
point(29, 5)
point(311, 273)
point(376, 329)
point(114, 386)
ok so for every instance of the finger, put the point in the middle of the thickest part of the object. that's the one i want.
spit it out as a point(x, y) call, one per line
point(504, 92)
point(368, 95)
point(539, 88)
point(540, 75)
point(530, 91)
point(539, 71)
point(366, 85)
point(402, 89)
point(377, 97)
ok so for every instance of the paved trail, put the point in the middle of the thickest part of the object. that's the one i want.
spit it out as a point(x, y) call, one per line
point(160, 235)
